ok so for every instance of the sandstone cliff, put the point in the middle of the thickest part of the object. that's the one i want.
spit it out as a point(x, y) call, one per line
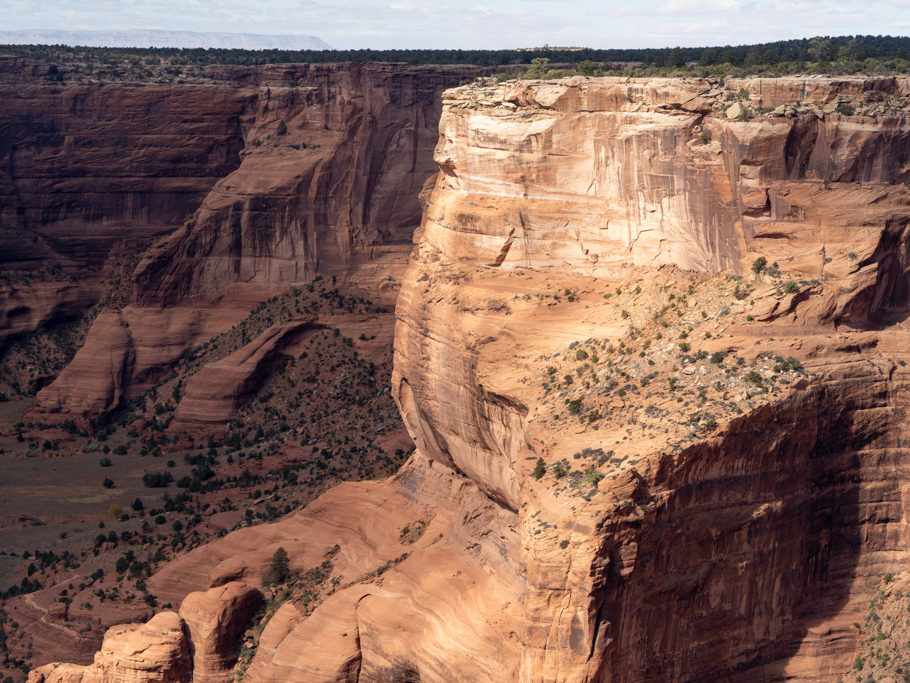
point(96, 179)
point(333, 161)
point(652, 346)
point(230, 189)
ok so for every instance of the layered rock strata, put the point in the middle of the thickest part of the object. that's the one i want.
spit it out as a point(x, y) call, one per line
point(199, 644)
point(654, 359)
point(232, 188)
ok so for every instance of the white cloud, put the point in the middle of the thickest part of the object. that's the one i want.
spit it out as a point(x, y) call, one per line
point(690, 7)
point(481, 23)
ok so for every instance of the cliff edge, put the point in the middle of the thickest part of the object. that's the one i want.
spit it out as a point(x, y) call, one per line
point(652, 346)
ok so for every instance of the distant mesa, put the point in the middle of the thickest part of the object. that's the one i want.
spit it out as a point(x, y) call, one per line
point(152, 38)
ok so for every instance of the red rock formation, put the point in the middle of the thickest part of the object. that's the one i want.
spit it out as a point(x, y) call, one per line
point(214, 621)
point(155, 651)
point(602, 504)
point(214, 394)
point(26, 307)
point(86, 168)
point(199, 644)
point(92, 171)
point(385, 626)
point(342, 179)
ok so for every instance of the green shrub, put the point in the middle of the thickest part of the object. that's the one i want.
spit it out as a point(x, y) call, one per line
point(540, 469)
point(538, 68)
point(279, 568)
point(758, 265)
point(157, 479)
point(754, 378)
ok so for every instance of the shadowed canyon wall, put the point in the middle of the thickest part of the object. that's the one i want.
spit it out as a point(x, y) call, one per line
point(209, 195)
point(652, 346)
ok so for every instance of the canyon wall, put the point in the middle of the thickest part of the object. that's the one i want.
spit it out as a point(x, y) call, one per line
point(746, 547)
point(333, 161)
point(86, 166)
point(652, 346)
point(197, 200)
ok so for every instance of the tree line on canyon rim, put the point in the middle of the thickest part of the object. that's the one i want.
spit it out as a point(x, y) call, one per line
point(838, 55)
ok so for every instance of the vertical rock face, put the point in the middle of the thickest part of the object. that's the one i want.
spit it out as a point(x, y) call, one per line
point(654, 358)
point(199, 644)
point(744, 553)
point(92, 171)
point(215, 620)
point(86, 165)
point(225, 191)
point(600, 177)
point(334, 158)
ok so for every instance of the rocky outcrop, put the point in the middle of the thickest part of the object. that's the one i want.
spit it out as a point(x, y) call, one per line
point(28, 306)
point(654, 358)
point(383, 615)
point(125, 353)
point(214, 621)
point(602, 176)
point(99, 370)
point(154, 651)
point(600, 184)
point(214, 394)
point(199, 644)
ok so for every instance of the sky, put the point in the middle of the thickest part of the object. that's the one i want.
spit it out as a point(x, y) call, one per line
point(485, 24)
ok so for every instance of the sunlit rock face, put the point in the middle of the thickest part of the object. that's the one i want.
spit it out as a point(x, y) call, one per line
point(653, 353)
point(727, 544)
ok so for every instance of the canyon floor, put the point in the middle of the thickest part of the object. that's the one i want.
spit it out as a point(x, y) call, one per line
point(138, 492)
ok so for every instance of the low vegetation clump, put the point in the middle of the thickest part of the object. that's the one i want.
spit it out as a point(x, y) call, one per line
point(279, 569)
point(884, 633)
point(838, 55)
point(668, 381)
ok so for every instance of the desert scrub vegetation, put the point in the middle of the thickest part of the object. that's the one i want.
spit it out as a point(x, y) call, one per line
point(304, 589)
point(838, 55)
point(31, 360)
point(884, 633)
point(668, 379)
